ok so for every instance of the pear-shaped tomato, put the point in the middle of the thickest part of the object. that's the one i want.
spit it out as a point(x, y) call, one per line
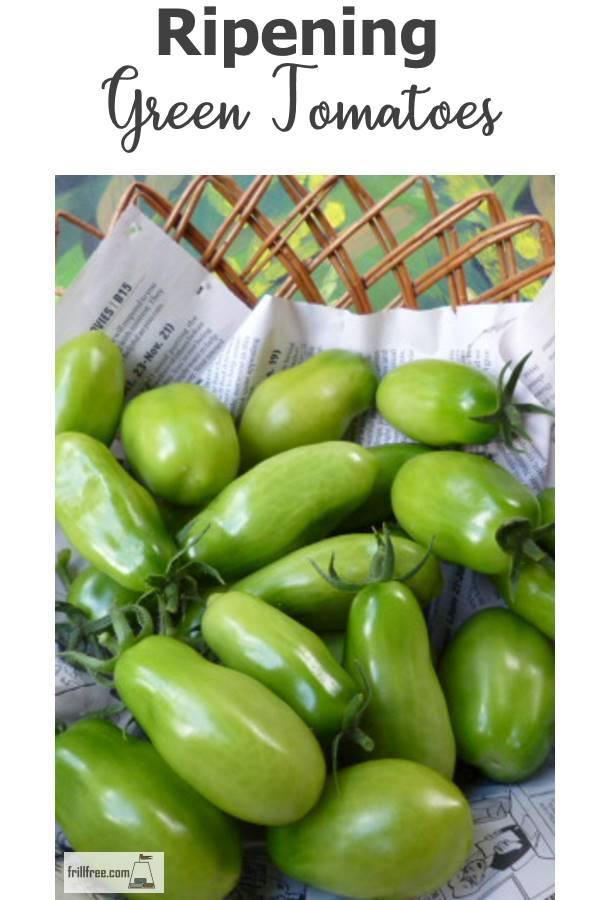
point(282, 503)
point(387, 643)
point(181, 442)
point(227, 735)
point(252, 637)
point(311, 402)
point(294, 584)
point(466, 505)
point(89, 386)
point(391, 827)
point(115, 793)
point(498, 677)
point(106, 515)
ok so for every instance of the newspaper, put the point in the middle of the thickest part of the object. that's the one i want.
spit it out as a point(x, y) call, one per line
point(228, 349)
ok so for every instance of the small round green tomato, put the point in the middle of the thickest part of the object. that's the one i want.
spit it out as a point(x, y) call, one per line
point(115, 793)
point(434, 401)
point(460, 501)
point(94, 593)
point(181, 442)
point(498, 677)
point(89, 386)
point(311, 402)
point(394, 827)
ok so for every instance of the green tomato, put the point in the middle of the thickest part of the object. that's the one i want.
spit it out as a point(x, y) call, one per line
point(106, 515)
point(224, 733)
point(546, 501)
point(295, 586)
point(280, 504)
point(393, 827)
point(335, 641)
point(181, 442)
point(460, 501)
point(94, 593)
point(388, 642)
point(498, 677)
point(434, 401)
point(312, 402)
point(377, 508)
point(252, 637)
point(89, 386)
point(115, 793)
point(532, 597)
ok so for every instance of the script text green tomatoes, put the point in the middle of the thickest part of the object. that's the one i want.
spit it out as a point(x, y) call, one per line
point(282, 503)
point(252, 637)
point(434, 400)
point(94, 593)
point(115, 793)
point(498, 677)
point(387, 641)
point(224, 733)
point(181, 442)
point(460, 500)
point(106, 515)
point(377, 508)
point(295, 586)
point(394, 827)
point(311, 402)
point(89, 386)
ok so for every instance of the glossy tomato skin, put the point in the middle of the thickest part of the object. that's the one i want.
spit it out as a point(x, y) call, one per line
point(498, 677)
point(106, 515)
point(459, 500)
point(282, 503)
point(407, 716)
point(94, 593)
point(395, 827)
point(434, 400)
point(377, 508)
point(181, 443)
point(311, 402)
point(252, 637)
point(532, 597)
point(293, 584)
point(224, 733)
point(546, 501)
point(89, 386)
point(115, 793)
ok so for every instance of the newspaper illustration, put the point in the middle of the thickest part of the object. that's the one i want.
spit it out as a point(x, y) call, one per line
point(228, 349)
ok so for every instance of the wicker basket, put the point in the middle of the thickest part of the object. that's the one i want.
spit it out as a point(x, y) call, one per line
point(274, 243)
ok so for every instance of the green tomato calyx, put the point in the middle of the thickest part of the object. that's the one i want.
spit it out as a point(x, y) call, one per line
point(509, 416)
point(519, 539)
point(351, 729)
point(96, 645)
point(382, 566)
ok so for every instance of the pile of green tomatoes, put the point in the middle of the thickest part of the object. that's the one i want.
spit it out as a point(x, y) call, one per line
point(255, 595)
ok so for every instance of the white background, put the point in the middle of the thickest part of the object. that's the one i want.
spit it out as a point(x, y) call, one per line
point(538, 61)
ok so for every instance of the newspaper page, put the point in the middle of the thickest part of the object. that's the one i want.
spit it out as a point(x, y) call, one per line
point(229, 350)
